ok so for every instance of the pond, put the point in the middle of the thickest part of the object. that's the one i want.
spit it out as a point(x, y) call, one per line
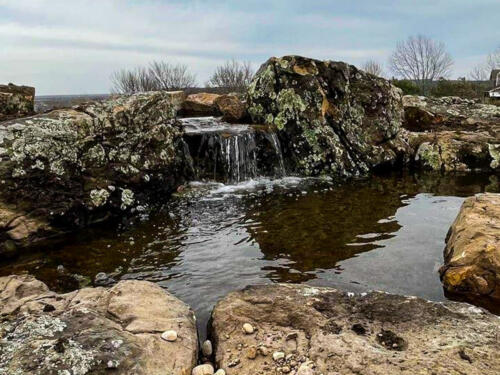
point(386, 233)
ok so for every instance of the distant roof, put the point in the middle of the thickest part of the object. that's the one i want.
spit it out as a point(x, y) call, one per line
point(494, 74)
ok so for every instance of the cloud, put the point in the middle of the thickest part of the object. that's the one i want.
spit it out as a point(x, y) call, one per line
point(64, 47)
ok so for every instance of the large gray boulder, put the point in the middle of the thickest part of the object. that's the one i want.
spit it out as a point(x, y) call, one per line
point(73, 167)
point(331, 117)
point(93, 330)
point(16, 101)
point(304, 330)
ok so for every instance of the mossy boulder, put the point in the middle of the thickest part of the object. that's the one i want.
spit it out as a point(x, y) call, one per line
point(73, 167)
point(331, 117)
point(16, 101)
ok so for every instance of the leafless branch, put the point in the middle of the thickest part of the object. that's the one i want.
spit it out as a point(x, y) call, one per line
point(373, 67)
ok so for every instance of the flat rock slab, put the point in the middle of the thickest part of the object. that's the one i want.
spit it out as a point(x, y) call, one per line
point(93, 330)
point(304, 330)
point(472, 253)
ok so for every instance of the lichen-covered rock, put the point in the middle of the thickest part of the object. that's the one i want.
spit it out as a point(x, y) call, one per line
point(452, 151)
point(472, 253)
point(201, 104)
point(311, 331)
point(16, 101)
point(331, 117)
point(73, 167)
point(93, 330)
point(448, 113)
point(232, 108)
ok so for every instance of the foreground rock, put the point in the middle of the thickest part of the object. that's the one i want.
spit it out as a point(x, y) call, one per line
point(310, 331)
point(331, 117)
point(93, 330)
point(16, 101)
point(73, 167)
point(453, 134)
point(472, 253)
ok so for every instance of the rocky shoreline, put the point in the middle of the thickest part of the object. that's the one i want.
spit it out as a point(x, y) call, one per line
point(72, 168)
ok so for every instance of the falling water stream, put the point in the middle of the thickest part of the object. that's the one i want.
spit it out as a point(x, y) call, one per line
point(244, 222)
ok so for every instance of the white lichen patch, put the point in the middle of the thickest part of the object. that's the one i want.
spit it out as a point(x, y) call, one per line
point(99, 197)
point(127, 198)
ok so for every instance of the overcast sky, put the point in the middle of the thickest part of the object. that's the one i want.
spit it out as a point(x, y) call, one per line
point(73, 46)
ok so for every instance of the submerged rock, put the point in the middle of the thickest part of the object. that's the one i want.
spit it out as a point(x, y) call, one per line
point(73, 167)
point(16, 101)
point(472, 253)
point(93, 330)
point(324, 331)
point(332, 118)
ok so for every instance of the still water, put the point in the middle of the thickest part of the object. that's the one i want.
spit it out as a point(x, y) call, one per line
point(384, 233)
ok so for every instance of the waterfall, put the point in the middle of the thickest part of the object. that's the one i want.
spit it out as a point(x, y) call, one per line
point(232, 153)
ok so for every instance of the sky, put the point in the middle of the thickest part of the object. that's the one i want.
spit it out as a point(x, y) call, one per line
point(74, 46)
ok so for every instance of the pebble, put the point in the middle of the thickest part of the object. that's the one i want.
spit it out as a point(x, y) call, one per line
point(278, 355)
point(206, 369)
point(248, 328)
point(251, 352)
point(169, 336)
point(220, 372)
point(285, 369)
point(206, 348)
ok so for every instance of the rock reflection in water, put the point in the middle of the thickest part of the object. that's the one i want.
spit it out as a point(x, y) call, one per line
point(378, 233)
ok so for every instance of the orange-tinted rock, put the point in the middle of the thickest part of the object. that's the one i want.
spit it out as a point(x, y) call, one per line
point(201, 104)
point(472, 253)
point(231, 107)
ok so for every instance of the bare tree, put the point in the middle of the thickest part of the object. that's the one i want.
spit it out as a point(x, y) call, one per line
point(232, 75)
point(421, 60)
point(481, 72)
point(373, 67)
point(171, 77)
point(159, 75)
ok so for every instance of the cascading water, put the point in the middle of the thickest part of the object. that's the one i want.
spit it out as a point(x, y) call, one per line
point(231, 152)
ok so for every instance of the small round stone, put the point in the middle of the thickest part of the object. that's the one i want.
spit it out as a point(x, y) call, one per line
point(206, 369)
point(220, 372)
point(248, 328)
point(206, 348)
point(169, 335)
point(252, 352)
point(278, 355)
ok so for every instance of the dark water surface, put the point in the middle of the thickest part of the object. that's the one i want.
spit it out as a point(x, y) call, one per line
point(385, 233)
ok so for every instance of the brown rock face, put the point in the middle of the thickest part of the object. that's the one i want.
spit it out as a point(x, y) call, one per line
point(453, 134)
point(331, 118)
point(448, 113)
point(202, 104)
point(472, 253)
point(16, 101)
point(304, 330)
point(232, 108)
point(93, 330)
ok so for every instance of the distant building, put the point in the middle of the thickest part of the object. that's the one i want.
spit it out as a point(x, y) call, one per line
point(495, 78)
point(493, 96)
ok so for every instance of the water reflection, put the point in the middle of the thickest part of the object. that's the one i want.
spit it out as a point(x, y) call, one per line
point(386, 232)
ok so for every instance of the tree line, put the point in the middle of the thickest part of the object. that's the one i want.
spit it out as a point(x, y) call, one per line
point(419, 65)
